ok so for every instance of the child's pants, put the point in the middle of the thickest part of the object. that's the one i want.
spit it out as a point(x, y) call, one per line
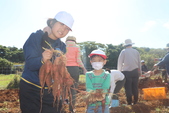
point(90, 109)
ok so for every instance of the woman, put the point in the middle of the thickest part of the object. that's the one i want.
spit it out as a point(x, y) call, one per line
point(35, 56)
point(129, 64)
point(73, 62)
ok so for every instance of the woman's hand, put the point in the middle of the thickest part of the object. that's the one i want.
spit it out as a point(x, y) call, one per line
point(47, 55)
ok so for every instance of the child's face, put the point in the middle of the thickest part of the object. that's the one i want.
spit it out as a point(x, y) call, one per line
point(60, 30)
point(98, 59)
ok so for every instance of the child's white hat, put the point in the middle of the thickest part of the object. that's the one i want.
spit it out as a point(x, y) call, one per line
point(65, 18)
point(98, 52)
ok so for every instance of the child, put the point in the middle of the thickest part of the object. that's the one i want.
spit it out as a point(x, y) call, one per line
point(98, 79)
point(117, 82)
point(35, 56)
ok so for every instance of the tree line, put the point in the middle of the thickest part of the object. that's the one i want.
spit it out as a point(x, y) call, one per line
point(8, 57)
point(11, 55)
point(113, 51)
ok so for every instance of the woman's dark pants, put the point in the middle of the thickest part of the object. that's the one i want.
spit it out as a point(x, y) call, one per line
point(131, 85)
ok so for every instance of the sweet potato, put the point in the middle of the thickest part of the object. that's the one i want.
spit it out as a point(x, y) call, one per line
point(45, 74)
point(48, 81)
point(48, 72)
point(68, 80)
point(45, 77)
point(56, 74)
point(48, 66)
point(103, 105)
point(42, 75)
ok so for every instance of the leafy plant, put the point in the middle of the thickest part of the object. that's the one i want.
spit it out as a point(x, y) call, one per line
point(14, 83)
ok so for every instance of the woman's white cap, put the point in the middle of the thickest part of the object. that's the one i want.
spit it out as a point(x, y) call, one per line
point(65, 18)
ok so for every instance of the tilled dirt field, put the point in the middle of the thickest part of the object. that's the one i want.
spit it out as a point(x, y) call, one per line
point(9, 102)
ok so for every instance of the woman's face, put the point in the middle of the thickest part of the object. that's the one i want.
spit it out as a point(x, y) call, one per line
point(59, 30)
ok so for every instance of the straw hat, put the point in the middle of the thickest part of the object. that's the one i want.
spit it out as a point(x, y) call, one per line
point(71, 38)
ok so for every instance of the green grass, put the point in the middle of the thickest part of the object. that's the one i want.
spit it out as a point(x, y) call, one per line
point(6, 79)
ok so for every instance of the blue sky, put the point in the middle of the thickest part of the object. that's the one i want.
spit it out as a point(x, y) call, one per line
point(145, 22)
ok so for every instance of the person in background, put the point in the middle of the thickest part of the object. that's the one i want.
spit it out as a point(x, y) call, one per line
point(98, 79)
point(129, 64)
point(35, 57)
point(164, 61)
point(117, 82)
point(144, 68)
point(73, 62)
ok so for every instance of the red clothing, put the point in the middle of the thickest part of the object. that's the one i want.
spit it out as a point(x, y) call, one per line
point(73, 54)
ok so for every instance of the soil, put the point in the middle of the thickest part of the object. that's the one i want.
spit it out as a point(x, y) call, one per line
point(9, 101)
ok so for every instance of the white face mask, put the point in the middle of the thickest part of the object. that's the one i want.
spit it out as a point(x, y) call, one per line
point(97, 65)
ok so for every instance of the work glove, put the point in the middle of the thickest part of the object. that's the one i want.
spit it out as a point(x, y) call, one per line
point(110, 96)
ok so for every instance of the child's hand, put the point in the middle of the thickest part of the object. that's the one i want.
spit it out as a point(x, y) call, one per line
point(84, 71)
point(110, 94)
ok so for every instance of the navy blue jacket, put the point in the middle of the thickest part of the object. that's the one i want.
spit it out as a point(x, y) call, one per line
point(33, 55)
point(165, 62)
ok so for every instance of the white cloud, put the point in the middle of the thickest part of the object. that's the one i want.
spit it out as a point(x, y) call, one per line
point(147, 26)
point(166, 25)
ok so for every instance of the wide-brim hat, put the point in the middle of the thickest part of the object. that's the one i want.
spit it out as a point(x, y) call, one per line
point(65, 18)
point(128, 42)
point(71, 38)
point(99, 53)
